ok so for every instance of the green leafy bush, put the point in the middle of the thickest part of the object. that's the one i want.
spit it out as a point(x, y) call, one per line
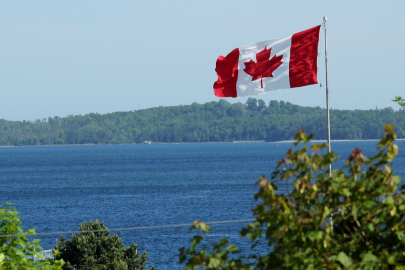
point(17, 251)
point(353, 219)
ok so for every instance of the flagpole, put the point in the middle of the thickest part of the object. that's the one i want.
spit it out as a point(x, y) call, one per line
point(327, 92)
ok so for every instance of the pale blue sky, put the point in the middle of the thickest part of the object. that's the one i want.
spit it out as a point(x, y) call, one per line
point(60, 58)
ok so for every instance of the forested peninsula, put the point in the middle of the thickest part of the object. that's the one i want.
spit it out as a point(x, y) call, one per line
point(210, 122)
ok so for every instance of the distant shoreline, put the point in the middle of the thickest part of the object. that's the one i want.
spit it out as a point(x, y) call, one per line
point(92, 144)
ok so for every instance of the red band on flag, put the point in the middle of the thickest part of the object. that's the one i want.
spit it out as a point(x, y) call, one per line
point(227, 70)
point(303, 57)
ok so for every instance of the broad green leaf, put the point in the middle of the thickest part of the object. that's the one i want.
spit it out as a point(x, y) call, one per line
point(369, 257)
point(344, 259)
point(2, 257)
point(390, 200)
point(214, 263)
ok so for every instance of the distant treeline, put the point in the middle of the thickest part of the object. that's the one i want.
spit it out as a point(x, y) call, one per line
point(210, 122)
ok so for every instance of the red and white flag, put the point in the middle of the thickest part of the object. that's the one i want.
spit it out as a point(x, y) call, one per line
point(269, 65)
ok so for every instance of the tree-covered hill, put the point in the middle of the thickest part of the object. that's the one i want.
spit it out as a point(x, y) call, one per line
point(210, 122)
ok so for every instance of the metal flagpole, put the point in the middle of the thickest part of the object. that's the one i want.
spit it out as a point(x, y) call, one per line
point(327, 107)
point(327, 93)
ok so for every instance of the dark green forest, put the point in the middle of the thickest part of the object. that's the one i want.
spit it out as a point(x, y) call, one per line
point(210, 122)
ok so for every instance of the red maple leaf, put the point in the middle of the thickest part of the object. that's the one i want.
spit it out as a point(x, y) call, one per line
point(264, 66)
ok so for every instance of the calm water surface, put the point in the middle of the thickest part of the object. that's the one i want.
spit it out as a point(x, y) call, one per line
point(57, 188)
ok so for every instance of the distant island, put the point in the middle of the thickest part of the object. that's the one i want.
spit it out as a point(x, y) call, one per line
point(210, 122)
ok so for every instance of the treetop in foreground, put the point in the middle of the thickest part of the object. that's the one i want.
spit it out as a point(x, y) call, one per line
point(99, 250)
point(353, 219)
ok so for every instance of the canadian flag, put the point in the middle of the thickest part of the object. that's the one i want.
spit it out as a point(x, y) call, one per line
point(269, 65)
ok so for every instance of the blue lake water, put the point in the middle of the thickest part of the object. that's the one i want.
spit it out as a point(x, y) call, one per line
point(57, 188)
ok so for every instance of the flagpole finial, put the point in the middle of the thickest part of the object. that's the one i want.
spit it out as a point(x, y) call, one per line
point(325, 18)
